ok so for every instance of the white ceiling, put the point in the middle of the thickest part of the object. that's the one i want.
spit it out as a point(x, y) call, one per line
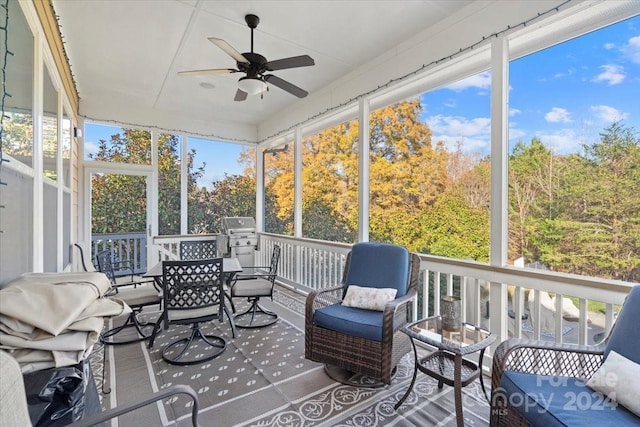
point(125, 55)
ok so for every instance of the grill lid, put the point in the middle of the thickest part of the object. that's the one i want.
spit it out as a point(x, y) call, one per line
point(238, 224)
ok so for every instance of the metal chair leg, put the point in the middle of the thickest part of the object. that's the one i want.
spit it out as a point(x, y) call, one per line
point(252, 311)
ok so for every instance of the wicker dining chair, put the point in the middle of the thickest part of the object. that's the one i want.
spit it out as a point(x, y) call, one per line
point(533, 382)
point(351, 340)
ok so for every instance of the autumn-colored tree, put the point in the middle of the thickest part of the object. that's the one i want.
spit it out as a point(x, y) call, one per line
point(408, 172)
point(406, 175)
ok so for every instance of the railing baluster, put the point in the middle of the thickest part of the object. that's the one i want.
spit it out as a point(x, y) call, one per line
point(558, 319)
point(426, 292)
point(609, 317)
point(536, 315)
point(436, 292)
point(463, 298)
point(518, 309)
point(583, 321)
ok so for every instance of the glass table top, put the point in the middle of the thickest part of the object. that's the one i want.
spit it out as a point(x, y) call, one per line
point(467, 339)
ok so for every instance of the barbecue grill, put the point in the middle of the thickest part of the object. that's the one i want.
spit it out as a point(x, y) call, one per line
point(240, 239)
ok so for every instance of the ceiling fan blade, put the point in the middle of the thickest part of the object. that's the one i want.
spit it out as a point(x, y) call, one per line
point(230, 50)
point(209, 71)
point(285, 85)
point(240, 95)
point(292, 62)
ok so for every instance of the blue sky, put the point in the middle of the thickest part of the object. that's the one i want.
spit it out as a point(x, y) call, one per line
point(565, 95)
point(220, 158)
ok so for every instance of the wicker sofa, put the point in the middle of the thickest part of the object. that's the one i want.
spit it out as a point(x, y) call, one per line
point(544, 384)
point(358, 340)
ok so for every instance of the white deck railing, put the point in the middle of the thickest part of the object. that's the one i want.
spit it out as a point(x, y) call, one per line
point(168, 247)
point(510, 301)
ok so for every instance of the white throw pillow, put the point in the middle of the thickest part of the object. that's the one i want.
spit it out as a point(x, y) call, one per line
point(619, 379)
point(368, 298)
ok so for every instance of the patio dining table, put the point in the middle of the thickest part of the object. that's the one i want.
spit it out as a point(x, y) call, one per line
point(230, 266)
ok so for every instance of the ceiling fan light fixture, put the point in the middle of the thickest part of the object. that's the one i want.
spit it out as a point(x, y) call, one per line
point(252, 85)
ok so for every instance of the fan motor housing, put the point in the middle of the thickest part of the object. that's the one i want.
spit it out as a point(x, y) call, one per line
point(256, 65)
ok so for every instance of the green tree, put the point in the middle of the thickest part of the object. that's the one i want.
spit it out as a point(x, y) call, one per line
point(598, 232)
point(17, 136)
point(235, 195)
point(119, 201)
point(533, 186)
point(453, 229)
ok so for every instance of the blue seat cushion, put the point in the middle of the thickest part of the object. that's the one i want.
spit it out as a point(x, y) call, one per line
point(624, 338)
point(561, 401)
point(350, 321)
point(379, 265)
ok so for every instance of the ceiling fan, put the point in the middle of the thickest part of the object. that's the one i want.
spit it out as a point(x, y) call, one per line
point(255, 66)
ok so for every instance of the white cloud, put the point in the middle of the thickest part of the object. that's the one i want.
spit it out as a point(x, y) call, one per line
point(632, 49)
point(609, 46)
point(90, 148)
point(480, 81)
point(516, 134)
point(564, 141)
point(612, 74)
point(514, 112)
point(569, 72)
point(608, 114)
point(474, 135)
point(558, 115)
point(466, 144)
point(459, 125)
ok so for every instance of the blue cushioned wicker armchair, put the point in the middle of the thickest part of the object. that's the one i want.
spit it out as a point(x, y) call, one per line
point(542, 383)
point(361, 340)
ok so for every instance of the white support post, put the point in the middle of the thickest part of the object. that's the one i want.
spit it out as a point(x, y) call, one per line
point(59, 190)
point(152, 201)
point(297, 202)
point(259, 190)
point(297, 189)
point(84, 195)
point(184, 189)
point(37, 156)
point(499, 181)
point(363, 171)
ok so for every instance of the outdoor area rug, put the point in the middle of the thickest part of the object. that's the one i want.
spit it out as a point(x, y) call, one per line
point(262, 379)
